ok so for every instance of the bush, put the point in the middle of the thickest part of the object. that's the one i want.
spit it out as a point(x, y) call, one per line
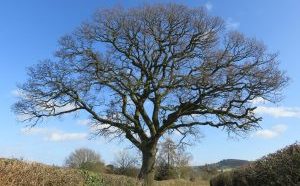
point(94, 179)
point(93, 166)
point(222, 180)
point(280, 168)
point(20, 173)
point(15, 172)
point(165, 172)
point(208, 172)
point(125, 164)
point(129, 171)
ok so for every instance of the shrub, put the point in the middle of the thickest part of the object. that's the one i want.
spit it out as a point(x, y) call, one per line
point(280, 168)
point(125, 164)
point(15, 172)
point(165, 172)
point(208, 172)
point(93, 166)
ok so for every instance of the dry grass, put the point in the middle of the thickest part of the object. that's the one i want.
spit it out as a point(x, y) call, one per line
point(182, 183)
point(19, 173)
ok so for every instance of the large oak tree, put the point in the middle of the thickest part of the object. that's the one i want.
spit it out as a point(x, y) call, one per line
point(145, 71)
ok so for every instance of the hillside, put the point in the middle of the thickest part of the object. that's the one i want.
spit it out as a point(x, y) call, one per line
point(232, 163)
point(225, 164)
point(15, 172)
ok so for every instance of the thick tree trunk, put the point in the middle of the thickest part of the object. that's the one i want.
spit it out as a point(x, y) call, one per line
point(147, 169)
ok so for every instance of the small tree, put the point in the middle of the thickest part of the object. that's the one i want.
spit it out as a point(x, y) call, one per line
point(145, 71)
point(125, 164)
point(85, 159)
point(172, 161)
point(183, 169)
point(167, 152)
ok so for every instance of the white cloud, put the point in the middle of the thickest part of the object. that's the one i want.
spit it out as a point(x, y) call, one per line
point(275, 131)
point(258, 100)
point(96, 128)
point(54, 134)
point(34, 131)
point(17, 93)
point(23, 117)
point(208, 6)
point(61, 136)
point(231, 24)
point(83, 122)
point(49, 106)
point(292, 112)
point(64, 108)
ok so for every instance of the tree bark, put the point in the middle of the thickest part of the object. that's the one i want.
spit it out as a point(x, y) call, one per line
point(147, 169)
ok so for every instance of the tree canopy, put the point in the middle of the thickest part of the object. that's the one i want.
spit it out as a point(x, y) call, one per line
point(141, 72)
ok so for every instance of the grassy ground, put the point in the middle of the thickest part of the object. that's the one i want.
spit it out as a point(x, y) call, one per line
point(182, 183)
point(19, 173)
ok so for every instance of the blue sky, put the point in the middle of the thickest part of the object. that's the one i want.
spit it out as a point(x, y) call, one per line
point(29, 31)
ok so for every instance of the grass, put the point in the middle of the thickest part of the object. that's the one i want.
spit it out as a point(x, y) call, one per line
point(182, 183)
point(19, 173)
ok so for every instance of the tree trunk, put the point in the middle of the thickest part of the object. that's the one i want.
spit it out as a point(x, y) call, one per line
point(147, 169)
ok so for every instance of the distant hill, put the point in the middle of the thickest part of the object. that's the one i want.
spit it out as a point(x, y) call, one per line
point(232, 163)
point(225, 164)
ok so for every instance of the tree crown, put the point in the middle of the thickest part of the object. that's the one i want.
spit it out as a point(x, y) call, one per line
point(143, 71)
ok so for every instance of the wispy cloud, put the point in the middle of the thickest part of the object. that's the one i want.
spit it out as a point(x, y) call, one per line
point(34, 131)
point(258, 101)
point(83, 122)
point(208, 6)
point(67, 107)
point(17, 93)
point(102, 127)
point(273, 132)
point(61, 136)
point(231, 24)
point(94, 127)
point(291, 112)
point(54, 134)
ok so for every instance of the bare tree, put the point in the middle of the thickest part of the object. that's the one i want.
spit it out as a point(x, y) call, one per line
point(167, 152)
point(125, 163)
point(81, 156)
point(172, 160)
point(141, 72)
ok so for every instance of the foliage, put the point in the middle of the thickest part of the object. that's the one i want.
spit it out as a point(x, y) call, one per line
point(280, 168)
